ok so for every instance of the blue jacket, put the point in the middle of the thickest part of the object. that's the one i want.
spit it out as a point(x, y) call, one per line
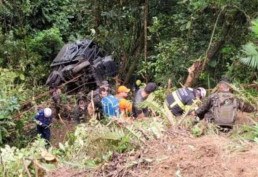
point(41, 120)
point(110, 106)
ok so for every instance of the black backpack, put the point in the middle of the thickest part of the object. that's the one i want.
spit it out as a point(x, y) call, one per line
point(225, 109)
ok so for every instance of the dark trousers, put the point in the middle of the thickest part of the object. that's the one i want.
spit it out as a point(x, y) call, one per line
point(176, 110)
point(44, 133)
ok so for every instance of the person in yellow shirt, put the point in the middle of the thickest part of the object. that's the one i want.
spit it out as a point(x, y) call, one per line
point(125, 105)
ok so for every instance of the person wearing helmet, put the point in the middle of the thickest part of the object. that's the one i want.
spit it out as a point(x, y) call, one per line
point(43, 120)
point(177, 100)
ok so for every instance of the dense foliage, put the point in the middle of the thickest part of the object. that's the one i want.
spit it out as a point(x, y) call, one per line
point(250, 49)
point(178, 32)
point(88, 146)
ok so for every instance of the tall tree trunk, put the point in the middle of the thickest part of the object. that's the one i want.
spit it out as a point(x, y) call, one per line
point(198, 66)
point(146, 6)
point(97, 16)
point(136, 55)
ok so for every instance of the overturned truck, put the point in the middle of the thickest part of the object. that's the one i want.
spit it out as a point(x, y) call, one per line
point(81, 65)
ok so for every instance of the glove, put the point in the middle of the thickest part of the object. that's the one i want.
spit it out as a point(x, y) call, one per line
point(38, 122)
point(41, 124)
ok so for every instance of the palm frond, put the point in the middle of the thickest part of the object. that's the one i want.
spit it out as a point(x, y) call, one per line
point(251, 55)
point(254, 27)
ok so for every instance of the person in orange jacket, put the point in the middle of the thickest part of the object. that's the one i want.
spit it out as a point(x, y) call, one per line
point(125, 105)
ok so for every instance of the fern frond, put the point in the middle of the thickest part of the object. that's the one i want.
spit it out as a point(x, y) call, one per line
point(153, 105)
point(98, 140)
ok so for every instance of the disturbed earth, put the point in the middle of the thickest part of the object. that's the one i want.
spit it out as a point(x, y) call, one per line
point(180, 154)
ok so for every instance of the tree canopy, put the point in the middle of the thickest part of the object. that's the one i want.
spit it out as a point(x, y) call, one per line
point(152, 40)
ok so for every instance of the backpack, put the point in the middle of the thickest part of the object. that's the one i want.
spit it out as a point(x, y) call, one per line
point(225, 109)
point(110, 106)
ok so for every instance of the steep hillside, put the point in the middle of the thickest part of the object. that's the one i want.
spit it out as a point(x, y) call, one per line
point(178, 153)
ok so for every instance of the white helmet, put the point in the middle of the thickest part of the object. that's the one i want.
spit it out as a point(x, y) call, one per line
point(202, 91)
point(47, 112)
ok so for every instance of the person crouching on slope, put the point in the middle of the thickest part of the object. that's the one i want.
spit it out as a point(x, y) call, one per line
point(125, 105)
point(221, 107)
point(43, 120)
point(182, 97)
point(140, 96)
point(110, 104)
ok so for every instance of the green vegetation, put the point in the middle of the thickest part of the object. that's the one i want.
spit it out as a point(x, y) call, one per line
point(87, 147)
point(222, 34)
point(250, 49)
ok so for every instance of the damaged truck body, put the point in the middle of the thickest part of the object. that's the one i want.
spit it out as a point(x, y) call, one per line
point(81, 65)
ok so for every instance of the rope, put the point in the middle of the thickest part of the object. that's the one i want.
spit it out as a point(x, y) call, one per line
point(47, 92)
point(211, 39)
point(18, 115)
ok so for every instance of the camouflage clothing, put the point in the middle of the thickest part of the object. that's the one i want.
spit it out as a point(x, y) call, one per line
point(56, 97)
point(206, 109)
point(96, 99)
point(79, 115)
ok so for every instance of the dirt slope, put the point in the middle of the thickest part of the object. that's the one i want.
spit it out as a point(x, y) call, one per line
point(60, 130)
point(178, 154)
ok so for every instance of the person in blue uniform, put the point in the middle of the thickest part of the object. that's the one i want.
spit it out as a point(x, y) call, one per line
point(43, 120)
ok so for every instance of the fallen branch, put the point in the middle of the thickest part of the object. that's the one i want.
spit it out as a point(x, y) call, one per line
point(26, 168)
point(61, 120)
point(254, 86)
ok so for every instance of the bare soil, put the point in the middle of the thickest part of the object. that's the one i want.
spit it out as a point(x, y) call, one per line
point(66, 172)
point(180, 154)
point(246, 118)
point(60, 131)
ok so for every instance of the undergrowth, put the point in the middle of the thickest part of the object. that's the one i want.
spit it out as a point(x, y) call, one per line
point(89, 146)
point(94, 143)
